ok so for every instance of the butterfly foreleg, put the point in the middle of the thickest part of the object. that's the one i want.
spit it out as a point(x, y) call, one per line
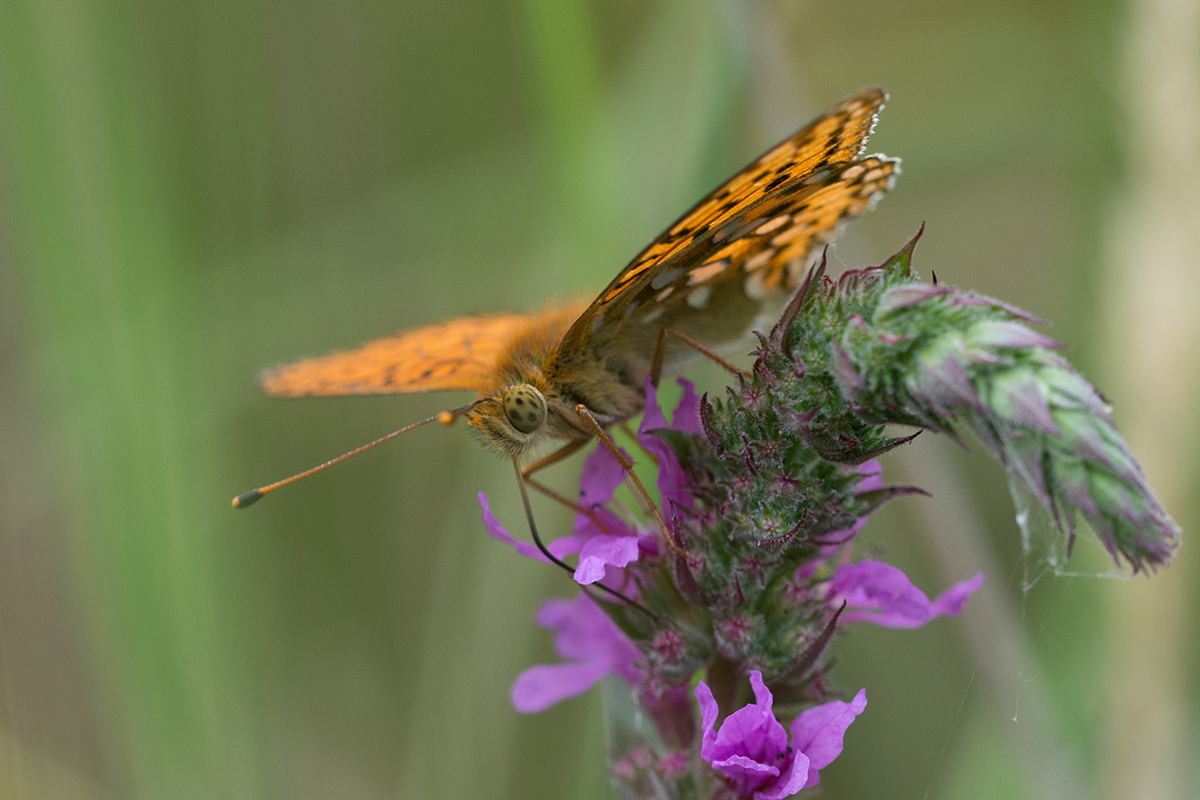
point(656, 363)
point(567, 450)
point(627, 465)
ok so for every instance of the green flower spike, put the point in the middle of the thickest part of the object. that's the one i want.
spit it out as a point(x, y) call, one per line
point(894, 350)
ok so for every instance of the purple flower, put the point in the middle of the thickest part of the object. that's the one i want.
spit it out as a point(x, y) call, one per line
point(751, 748)
point(883, 594)
point(611, 543)
point(672, 480)
point(602, 537)
point(592, 642)
point(872, 477)
point(501, 534)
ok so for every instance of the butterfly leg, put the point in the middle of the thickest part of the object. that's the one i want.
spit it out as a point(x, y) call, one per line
point(627, 465)
point(656, 364)
point(567, 450)
point(558, 455)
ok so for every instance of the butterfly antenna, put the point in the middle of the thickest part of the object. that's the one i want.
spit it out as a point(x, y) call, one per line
point(558, 561)
point(254, 495)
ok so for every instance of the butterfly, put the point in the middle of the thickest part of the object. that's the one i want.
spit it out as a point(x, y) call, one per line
point(573, 369)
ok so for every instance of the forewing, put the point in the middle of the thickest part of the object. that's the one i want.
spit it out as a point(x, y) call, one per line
point(765, 218)
point(458, 354)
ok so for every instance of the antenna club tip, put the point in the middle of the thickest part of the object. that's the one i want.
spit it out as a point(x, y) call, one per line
point(446, 418)
point(247, 498)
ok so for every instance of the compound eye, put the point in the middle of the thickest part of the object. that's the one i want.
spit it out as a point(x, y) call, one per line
point(525, 407)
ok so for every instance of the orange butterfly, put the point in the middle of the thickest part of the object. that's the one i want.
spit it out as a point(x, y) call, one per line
point(569, 371)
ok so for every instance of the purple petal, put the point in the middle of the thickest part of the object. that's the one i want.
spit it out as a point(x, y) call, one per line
point(585, 634)
point(583, 631)
point(839, 537)
point(672, 480)
point(602, 474)
point(652, 417)
point(498, 532)
point(796, 776)
point(543, 685)
point(708, 718)
point(748, 730)
point(950, 603)
point(774, 736)
point(565, 546)
point(610, 523)
point(762, 695)
point(602, 551)
point(872, 477)
point(883, 594)
point(745, 770)
point(559, 613)
point(819, 732)
point(752, 731)
point(746, 773)
point(751, 747)
point(687, 414)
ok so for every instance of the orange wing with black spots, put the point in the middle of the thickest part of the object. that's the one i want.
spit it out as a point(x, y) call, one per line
point(458, 354)
point(765, 218)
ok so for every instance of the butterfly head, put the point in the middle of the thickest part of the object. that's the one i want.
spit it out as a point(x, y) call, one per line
point(514, 421)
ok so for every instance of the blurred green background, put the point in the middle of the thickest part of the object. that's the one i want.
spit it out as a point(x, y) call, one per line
point(192, 191)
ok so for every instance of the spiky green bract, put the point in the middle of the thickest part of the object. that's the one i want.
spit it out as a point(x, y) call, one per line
point(774, 494)
point(889, 349)
point(765, 506)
